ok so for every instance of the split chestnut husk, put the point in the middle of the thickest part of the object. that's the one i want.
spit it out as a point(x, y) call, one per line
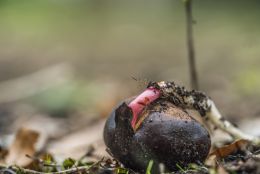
point(162, 132)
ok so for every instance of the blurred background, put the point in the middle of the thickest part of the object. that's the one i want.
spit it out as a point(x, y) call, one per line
point(64, 64)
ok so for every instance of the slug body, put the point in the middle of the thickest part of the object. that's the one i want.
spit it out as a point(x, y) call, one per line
point(158, 131)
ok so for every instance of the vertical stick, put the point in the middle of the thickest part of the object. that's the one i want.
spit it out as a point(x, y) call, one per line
point(190, 45)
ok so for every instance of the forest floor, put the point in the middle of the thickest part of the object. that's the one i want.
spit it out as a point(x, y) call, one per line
point(48, 149)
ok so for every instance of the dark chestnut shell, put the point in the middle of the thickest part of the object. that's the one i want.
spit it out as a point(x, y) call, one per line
point(167, 135)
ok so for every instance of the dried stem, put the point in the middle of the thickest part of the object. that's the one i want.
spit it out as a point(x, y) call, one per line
point(81, 169)
point(72, 170)
point(215, 117)
point(190, 45)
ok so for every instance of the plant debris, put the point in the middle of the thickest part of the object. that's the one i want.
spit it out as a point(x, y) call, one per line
point(242, 156)
point(24, 144)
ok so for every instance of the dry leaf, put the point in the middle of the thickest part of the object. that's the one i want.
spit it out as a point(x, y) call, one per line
point(224, 151)
point(24, 144)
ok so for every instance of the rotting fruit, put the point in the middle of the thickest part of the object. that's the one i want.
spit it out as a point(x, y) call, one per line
point(150, 127)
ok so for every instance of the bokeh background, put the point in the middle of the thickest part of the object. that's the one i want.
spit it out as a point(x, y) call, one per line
point(64, 64)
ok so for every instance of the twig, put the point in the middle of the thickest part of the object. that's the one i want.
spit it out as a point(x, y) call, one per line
point(68, 171)
point(41, 161)
point(72, 170)
point(216, 118)
point(190, 44)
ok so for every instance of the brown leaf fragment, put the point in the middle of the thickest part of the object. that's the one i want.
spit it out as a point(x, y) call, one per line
point(226, 150)
point(24, 144)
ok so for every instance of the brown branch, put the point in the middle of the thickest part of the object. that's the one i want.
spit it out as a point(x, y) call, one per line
point(190, 45)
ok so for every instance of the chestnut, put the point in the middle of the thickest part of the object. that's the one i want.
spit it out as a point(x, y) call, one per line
point(149, 127)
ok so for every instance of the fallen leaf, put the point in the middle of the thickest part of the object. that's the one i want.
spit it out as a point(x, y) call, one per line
point(24, 144)
point(226, 150)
